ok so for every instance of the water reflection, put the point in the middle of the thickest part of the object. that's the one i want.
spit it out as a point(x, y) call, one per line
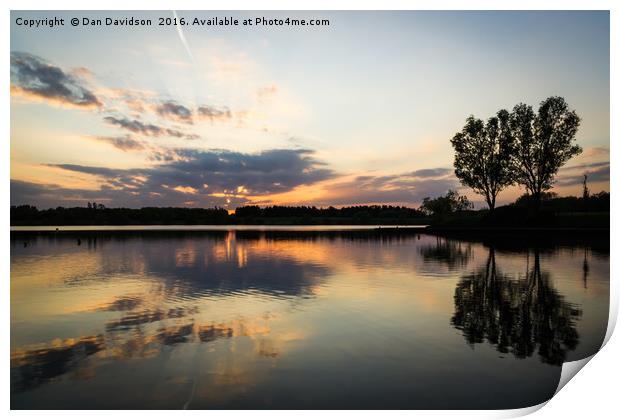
point(454, 254)
point(33, 367)
point(295, 320)
point(518, 315)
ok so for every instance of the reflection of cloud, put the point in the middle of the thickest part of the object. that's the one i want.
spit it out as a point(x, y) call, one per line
point(233, 266)
point(33, 367)
point(121, 304)
point(33, 78)
point(148, 316)
point(230, 176)
point(239, 337)
point(209, 333)
point(143, 322)
point(175, 335)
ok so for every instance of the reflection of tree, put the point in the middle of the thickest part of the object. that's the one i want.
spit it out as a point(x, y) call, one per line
point(452, 253)
point(518, 316)
point(586, 268)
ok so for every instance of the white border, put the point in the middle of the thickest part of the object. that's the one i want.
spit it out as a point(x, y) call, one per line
point(593, 394)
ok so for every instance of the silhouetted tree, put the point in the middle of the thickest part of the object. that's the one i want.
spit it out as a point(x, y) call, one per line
point(586, 191)
point(449, 203)
point(483, 153)
point(99, 214)
point(543, 143)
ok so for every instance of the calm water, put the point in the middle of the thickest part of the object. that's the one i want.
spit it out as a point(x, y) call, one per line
point(276, 319)
point(216, 228)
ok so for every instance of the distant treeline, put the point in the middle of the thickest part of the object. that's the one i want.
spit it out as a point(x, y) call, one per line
point(100, 215)
point(26, 215)
point(589, 210)
point(310, 212)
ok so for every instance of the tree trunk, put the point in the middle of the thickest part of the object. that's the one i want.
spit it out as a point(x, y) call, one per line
point(490, 201)
point(537, 200)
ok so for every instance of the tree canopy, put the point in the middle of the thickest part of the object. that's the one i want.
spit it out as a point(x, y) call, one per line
point(543, 142)
point(523, 147)
point(449, 203)
point(483, 153)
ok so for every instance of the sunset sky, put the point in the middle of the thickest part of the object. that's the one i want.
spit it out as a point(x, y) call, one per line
point(357, 112)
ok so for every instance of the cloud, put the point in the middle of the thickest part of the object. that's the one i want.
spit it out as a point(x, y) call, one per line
point(266, 92)
point(125, 144)
point(573, 175)
point(50, 195)
point(186, 177)
point(213, 113)
point(136, 126)
point(408, 188)
point(224, 178)
point(431, 173)
point(146, 129)
point(584, 167)
point(33, 78)
point(174, 111)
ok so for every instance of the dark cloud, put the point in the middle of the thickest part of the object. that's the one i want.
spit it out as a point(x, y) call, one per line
point(597, 172)
point(585, 166)
point(125, 144)
point(33, 367)
point(175, 133)
point(174, 111)
point(187, 177)
point(51, 195)
point(136, 126)
point(431, 173)
point(33, 77)
point(214, 113)
point(145, 129)
point(405, 189)
point(92, 170)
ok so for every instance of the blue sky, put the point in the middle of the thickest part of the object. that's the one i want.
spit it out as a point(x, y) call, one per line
point(352, 113)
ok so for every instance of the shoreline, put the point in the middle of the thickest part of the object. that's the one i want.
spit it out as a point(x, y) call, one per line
point(20, 229)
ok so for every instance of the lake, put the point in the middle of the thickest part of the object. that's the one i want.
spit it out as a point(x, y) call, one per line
point(300, 318)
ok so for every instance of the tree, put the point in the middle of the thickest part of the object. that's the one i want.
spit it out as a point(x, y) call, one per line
point(483, 154)
point(449, 203)
point(543, 142)
point(586, 191)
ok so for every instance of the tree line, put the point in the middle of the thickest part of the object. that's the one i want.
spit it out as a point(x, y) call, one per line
point(98, 214)
point(359, 212)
